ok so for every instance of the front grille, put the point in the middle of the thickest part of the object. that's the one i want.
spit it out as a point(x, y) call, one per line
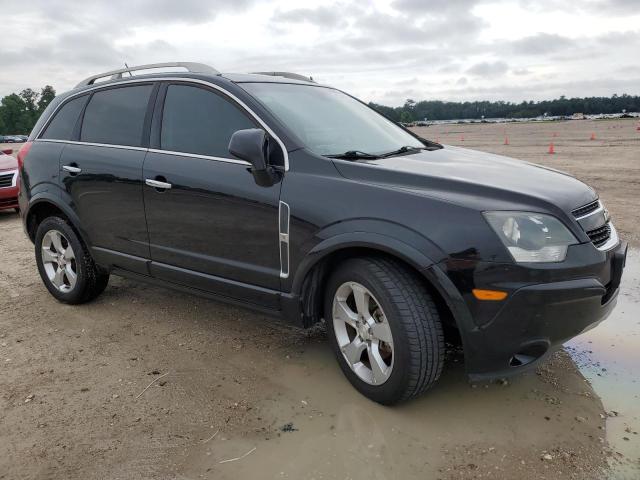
point(586, 209)
point(600, 235)
point(6, 180)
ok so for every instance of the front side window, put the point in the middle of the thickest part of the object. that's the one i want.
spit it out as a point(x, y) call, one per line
point(197, 120)
point(330, 122)
point(116, 116)
point(64, 121)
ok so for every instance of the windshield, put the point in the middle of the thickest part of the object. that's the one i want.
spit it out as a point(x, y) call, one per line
point(330, 122)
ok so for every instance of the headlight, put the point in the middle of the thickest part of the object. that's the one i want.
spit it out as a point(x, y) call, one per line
point(531, 237)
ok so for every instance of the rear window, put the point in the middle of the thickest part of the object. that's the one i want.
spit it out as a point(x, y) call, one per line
point(116, 116)
point(196, 120)
point(64, 121)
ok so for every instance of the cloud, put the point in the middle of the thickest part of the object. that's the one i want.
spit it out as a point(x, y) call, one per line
point(489, 69)
point(380, 51)
point(321, 16)
point(127, 13)
point(541, 44)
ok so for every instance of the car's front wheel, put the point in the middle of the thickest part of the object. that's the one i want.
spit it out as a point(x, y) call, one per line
point(65, 264)
point(384, 328)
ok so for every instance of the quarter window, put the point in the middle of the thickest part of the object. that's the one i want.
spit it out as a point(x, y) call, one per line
point(196, 120)
point(116, 116)
point(64, 121)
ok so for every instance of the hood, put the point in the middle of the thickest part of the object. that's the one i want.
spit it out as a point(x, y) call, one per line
point(7, 162)
point(462, 176)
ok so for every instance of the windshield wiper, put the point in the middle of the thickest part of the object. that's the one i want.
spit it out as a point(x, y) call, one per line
point(400, 151)
point(354, 155)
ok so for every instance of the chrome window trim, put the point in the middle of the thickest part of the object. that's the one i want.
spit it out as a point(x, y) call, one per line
point(167, 79)
point(91, 144)
point(14, 179)
point(196, 155)
point(151, 150)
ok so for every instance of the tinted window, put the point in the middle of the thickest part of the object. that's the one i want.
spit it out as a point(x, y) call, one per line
point(62, 125)
point(199, 121)
point(116, 116)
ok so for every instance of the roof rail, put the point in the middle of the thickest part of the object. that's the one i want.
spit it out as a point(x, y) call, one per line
point(293, 76)
point(116, 74)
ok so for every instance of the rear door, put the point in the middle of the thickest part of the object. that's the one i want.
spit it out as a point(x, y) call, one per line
point(102, 172)
point(214, 228)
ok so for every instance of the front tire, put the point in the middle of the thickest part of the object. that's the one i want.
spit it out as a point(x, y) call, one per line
point(384, 328)
point(65, 264)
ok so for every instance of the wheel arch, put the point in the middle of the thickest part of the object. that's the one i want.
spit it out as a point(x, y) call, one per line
point(311, 277)
point(45, 205)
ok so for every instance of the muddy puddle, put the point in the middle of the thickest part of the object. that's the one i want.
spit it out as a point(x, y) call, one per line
point(316, 426)
point(321, 428)
point(609, 357)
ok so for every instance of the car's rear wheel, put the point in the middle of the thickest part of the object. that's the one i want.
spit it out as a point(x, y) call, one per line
point(65, 264)
point(384, 328)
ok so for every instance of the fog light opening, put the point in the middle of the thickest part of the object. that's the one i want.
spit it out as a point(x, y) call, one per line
point(528, 354)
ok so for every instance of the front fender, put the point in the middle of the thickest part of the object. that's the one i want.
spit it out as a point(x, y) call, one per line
point(399, 242)
point(384, 236)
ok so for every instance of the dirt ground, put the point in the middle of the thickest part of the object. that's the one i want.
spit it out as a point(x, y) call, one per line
point(229, 384)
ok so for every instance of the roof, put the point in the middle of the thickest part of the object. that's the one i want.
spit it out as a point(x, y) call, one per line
point(264, 78)
point(193, 68)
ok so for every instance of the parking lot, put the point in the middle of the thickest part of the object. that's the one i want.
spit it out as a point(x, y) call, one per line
point(150, 383)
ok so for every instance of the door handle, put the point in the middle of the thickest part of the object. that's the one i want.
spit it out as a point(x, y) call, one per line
point(71, 169)
point(157, 184)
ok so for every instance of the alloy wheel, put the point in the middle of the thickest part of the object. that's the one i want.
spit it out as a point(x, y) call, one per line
point(363, 333)
point(59, 261)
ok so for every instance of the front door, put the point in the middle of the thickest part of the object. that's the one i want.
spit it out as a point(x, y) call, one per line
point(210, 226)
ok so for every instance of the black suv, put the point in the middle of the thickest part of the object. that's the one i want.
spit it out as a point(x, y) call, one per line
point(271, 191)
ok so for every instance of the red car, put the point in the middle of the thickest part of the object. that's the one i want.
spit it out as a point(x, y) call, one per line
point(8, 180)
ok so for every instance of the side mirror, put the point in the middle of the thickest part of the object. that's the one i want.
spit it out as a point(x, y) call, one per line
point(252, 145)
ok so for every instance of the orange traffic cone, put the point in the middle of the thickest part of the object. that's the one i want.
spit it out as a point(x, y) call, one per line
point(506, 140)
point(593, 136)
point(551, 148)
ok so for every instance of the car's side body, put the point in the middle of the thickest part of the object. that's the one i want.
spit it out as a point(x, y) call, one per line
point(215, 232)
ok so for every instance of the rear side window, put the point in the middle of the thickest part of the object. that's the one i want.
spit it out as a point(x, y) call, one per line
point(196, 120)
point(116, 116)
point(64, 121)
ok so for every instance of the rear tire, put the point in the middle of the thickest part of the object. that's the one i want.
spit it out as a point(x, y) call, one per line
point(411, 347)
point(65, 264)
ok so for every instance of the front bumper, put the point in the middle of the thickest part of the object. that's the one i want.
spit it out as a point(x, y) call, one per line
point(9, 197)
point(538, 317)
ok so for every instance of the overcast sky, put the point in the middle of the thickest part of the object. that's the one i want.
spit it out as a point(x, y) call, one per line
point(385, 51)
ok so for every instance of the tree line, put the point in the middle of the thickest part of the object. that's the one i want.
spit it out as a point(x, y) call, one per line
point(439, 110)
point(19, 112)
